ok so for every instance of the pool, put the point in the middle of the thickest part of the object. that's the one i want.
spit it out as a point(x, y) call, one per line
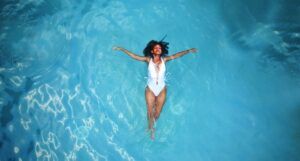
point(66, 95)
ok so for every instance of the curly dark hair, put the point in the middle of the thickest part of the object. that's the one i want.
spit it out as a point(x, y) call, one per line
point(152, 43)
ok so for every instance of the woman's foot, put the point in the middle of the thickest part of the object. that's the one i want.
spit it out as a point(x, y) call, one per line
point(152, 133)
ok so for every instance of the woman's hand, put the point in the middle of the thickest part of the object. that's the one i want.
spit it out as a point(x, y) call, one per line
point(116, 48)
point(193, 50)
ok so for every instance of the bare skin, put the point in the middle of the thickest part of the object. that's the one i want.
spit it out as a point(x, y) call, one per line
point(154, 107)
point(155, 103)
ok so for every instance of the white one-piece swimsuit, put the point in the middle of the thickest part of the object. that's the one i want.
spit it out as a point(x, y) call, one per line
point(156, 77)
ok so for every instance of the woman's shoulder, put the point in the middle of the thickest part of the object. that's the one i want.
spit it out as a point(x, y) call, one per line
point(148, 58)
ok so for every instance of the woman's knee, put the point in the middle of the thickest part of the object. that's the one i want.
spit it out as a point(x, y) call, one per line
point(156, 115)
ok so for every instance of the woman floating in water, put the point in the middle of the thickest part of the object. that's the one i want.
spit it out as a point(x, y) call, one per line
point(155, 54)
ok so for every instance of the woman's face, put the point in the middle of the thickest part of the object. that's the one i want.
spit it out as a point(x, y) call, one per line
point(156, 49)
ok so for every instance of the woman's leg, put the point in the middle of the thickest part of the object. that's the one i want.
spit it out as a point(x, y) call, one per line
point(160, 101)
point(150, 100)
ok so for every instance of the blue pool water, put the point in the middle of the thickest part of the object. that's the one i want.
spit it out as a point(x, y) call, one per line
point(65, 95)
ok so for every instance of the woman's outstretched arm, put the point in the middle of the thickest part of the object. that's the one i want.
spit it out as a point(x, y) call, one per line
point(134, 56)
point(179, 54)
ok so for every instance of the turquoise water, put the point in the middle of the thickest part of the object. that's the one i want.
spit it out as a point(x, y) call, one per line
point(65, 95)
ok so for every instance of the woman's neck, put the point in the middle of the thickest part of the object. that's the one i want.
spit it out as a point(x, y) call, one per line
point(156, 57)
